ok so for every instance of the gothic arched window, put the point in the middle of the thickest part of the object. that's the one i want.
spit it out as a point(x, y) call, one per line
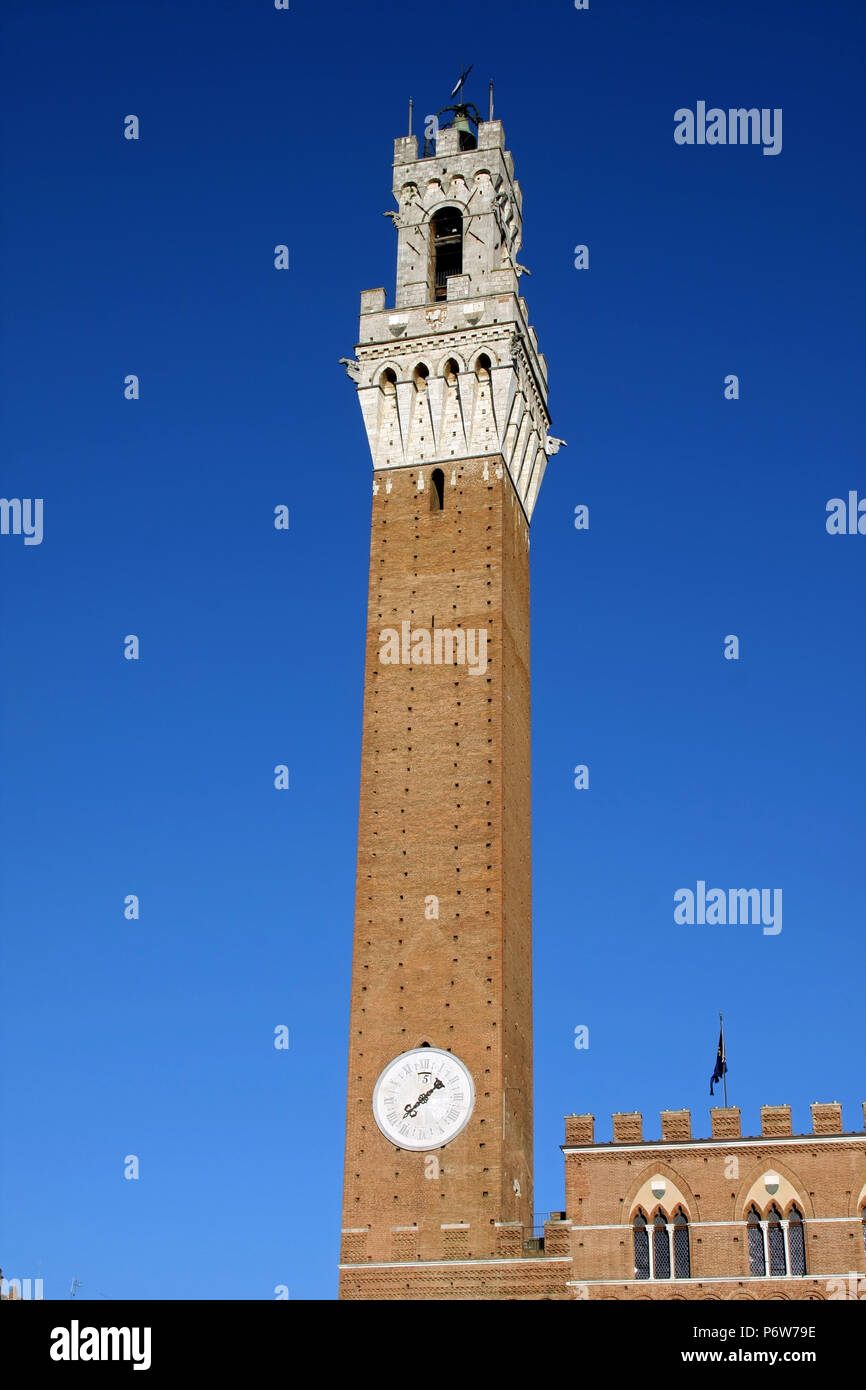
point(661, 1247)
point(757, 1259)
point(776, 1242)
point(437, 490)
point(446, 249)
point(796, 1241)
point(777, 1245)
point(682, 1260)
point(641, 1248)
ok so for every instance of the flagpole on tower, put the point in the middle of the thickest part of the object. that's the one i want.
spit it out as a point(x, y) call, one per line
point(724, 1059)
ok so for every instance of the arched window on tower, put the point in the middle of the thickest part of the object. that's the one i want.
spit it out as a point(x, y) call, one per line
point(641, 1247)
point(796, 1241)
point(757, 1259)
point(437, 490)
point(446, 250)
point(863, 1214)
point(682, 1259)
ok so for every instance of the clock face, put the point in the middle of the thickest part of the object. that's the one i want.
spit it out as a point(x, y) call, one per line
point(423, 1098)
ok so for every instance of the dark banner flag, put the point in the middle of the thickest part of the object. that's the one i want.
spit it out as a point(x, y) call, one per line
point(721, 1065)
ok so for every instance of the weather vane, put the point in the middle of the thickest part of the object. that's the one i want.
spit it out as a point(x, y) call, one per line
point(457, 89)
point(463, 112)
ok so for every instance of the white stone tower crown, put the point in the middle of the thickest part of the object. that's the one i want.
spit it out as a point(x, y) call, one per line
point(453, 371)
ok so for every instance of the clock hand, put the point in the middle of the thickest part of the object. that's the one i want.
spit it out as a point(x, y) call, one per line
point(410, 1111)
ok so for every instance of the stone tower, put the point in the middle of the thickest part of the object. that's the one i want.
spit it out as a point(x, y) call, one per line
point(453, 393)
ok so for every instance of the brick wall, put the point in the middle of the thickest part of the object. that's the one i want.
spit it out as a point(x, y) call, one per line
point(444, 811)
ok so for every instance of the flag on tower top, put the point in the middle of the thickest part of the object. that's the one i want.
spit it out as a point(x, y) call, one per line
point(721, 1064)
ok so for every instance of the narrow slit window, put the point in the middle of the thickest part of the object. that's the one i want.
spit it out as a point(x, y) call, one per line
point(796, 1241)
point(757, 1261)
point(776, 1242)
point(437, 490)
point(641, 1248)
point(682, 1259)
point(661, 1247)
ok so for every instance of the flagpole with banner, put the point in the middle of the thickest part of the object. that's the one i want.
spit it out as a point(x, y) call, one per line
point(721, 1067)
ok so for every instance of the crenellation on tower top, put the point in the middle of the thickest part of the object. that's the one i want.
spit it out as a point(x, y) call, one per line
point(491, 136)
point(405, 149)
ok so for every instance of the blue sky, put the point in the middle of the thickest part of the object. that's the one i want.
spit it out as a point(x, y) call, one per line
point(707, 517)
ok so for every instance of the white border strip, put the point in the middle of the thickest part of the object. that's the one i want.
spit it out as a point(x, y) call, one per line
point(458, 1264)
point(798, 1279)
point(807, 1221)
point(648, 1146)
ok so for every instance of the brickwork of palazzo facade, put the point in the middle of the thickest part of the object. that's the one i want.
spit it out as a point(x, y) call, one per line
point(732, 1216)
